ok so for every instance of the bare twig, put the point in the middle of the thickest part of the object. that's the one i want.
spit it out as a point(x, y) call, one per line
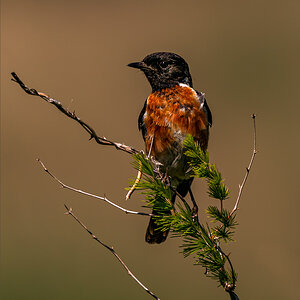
point(59, 106)
point(92, 195)
point(70, 212)
point(136, 182)
point(241, 186)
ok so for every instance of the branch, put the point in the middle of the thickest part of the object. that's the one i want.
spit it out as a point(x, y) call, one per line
point(70, 212)
point(59, 106)
point(92, 195)
point(229, 287)
point(233, 296)
point(241, 187)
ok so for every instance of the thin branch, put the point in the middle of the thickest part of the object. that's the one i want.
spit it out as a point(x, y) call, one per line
point(92, 195)
point(233, 296)
point(70, 212)
point(229, 287)
point(241, 187)
point(136, 182)
point(59, 106)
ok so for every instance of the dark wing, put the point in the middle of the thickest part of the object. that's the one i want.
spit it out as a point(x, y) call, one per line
point(141, 123)
point(205, 107)
point(208, 113)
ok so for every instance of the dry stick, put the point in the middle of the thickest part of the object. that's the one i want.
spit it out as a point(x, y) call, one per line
point(70, 212)
point(241, 186)
point(100, 140)
point(136, 182)
point(139, 174)
point(59, 106)
point(91, 195)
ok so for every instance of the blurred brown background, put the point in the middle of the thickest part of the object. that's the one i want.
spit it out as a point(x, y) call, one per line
point(243, 54)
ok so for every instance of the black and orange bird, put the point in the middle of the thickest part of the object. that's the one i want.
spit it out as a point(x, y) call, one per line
point(173, 110)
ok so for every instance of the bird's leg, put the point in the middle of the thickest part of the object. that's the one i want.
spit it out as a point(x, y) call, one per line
point(165, 178)
point(195, 206)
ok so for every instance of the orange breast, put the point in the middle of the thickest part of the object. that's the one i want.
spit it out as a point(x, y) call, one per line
point(171, 114)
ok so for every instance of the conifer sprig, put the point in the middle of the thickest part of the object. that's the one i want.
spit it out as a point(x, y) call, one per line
point(199, 238)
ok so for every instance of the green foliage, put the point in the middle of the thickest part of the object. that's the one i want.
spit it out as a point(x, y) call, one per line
point(199, 160)
point(157, 194)
point(227, 220)
point(199, 239)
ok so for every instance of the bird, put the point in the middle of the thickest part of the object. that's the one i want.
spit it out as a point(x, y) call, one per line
point(173, 110)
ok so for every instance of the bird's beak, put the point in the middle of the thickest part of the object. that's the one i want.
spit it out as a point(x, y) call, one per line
point(138, 65)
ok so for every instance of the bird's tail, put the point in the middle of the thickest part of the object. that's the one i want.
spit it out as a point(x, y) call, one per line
point(154, 235)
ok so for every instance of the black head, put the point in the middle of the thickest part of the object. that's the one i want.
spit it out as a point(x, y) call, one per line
point(164, 70)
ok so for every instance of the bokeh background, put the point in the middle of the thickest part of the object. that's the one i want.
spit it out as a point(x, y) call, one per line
point(243, 54)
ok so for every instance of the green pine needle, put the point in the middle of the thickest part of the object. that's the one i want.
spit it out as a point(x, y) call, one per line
point(199, 240)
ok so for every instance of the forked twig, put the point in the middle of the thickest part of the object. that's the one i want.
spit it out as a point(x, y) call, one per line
point(92, 195)
point(88, 128)
point(70, 212)
point(241, 186)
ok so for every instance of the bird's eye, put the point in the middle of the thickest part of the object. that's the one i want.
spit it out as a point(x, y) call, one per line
point(164, 64)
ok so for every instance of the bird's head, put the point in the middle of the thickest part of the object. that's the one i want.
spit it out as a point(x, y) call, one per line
point(164, 70)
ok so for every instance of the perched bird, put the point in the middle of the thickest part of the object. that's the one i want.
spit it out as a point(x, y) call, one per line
point(173, 110)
